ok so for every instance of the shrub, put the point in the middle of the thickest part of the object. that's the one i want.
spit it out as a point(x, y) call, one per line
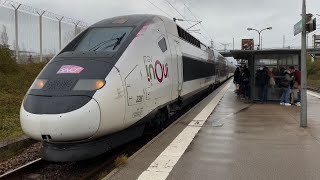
point(7, 61)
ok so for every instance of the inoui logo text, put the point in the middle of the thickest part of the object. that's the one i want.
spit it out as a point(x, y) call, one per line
point(70, 69)
point(157, 71)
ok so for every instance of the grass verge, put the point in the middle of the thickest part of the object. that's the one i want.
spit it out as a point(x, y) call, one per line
point(13, 87)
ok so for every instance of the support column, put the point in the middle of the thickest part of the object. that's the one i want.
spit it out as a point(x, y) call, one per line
point(40, 27)
point(60, 46)
point(233, 43)
point(303, 116)
point(75, 27)
point(16, 30)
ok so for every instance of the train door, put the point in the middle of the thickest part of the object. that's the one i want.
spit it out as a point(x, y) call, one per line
point(178, 60)
point(217, 71)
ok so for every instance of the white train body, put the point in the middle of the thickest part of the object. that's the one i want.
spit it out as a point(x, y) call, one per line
point(157, 64)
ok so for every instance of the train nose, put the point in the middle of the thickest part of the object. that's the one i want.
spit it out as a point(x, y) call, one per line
point(79, 124)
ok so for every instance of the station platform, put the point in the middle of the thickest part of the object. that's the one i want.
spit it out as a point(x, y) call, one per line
point(225, 138)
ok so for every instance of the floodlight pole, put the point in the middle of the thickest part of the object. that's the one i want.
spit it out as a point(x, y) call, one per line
point(259, 32)
point(303, 115)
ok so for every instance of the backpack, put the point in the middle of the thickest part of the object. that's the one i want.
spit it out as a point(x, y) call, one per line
point(245, 76)
point(261, 78)
point(284, 82)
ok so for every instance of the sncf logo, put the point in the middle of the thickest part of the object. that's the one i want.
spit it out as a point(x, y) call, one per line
point(70, 69)
point(157, 71)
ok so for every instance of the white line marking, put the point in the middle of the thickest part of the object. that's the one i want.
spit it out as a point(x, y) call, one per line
point(160, 168)
point(313, 94)
point(153, 140)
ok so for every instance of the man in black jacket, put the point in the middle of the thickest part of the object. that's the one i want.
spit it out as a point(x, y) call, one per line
point(262, 82)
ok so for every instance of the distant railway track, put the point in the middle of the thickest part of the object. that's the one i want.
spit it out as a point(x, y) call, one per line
point(314, 89)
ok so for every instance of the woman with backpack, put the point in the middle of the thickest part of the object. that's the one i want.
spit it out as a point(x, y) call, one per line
point(285, 87)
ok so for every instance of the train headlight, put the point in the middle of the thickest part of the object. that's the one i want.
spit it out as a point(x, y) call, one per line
point(89, 84)
point(39, 83)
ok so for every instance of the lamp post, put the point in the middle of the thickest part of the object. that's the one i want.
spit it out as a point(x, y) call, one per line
point(259, 32)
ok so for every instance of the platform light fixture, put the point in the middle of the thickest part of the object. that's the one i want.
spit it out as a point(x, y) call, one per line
point(259, 32)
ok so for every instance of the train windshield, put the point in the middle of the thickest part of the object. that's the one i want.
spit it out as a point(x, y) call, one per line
point(103, 39)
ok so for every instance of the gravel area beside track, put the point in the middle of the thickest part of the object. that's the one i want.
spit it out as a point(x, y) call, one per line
point(26, 156)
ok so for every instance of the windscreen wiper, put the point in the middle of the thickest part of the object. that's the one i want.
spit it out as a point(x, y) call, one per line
point(94, 48)
point(119, 40)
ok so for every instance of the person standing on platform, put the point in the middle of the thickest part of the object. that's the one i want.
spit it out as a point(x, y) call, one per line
point(262, 81)
point(285, 86)
point(236, 79)
point(245, 81)
point(297, 83)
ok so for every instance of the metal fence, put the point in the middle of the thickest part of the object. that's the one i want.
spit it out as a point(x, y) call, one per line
point(34, 34)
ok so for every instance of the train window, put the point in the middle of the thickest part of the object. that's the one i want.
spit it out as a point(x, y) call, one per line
point(103, 39)
point(196, 69)
point(163, 45)
point(188, 37)
point(179, 31)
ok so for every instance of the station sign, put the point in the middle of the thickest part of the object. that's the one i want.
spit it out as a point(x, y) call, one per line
point(247, 44)
point(311, 25)
point(297, 28)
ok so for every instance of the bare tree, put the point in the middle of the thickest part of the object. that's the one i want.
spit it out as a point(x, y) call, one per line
point(4, 36)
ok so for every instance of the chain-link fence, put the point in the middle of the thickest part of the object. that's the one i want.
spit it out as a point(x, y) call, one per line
point(35, 35)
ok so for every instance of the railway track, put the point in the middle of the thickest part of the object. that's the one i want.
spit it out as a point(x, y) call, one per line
point(89, 169)
point(13, 174)
point(95, 168)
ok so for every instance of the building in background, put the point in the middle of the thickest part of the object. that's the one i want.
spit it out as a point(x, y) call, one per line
point(316, 45)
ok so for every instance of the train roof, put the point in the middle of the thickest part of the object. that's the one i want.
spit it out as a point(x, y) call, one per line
point(126, 20)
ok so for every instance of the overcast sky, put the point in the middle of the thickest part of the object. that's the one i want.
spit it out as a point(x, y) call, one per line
point(223, 20)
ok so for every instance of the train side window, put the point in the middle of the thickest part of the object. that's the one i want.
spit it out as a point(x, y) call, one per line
point(163, 45)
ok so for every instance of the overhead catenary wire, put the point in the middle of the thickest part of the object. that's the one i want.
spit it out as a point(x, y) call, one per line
point(180, 14)
point(159, 8)
point(177, 11)
point(186, 18)
point(196, 19)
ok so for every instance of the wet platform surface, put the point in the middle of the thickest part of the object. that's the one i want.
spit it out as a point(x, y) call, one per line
point(241, 141)
point(260, 141)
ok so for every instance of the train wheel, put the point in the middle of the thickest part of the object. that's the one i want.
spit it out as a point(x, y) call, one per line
point(160, 119)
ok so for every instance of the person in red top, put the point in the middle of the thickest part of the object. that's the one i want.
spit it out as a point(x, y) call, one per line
point(297, 78)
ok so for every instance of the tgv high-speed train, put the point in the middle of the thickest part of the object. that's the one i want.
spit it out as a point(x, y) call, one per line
point(112, 80)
